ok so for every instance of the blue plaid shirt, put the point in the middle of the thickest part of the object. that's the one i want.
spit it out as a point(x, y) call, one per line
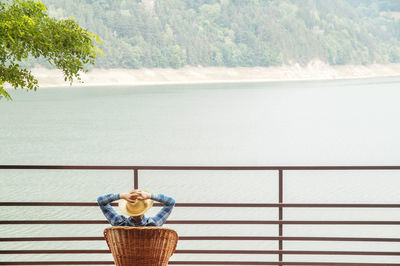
point(115, 218)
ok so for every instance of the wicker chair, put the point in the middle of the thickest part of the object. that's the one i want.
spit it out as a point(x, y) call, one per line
point(141, 246)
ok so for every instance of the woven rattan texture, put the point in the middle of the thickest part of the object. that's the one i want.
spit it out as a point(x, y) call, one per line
point(141, 246)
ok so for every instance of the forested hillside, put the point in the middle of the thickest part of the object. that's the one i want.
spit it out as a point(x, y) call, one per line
point(175, 33)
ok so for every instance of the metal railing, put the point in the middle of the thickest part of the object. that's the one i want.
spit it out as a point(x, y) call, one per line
point(280, 205)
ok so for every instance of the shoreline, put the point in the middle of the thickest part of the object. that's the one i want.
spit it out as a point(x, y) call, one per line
point(314, 71)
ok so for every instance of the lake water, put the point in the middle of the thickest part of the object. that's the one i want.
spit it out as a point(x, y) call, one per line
point(346, 122)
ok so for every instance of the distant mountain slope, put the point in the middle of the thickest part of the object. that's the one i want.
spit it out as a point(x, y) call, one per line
point(175, 33)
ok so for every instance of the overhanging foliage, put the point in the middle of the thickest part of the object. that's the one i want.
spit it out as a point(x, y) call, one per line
point(26, 30)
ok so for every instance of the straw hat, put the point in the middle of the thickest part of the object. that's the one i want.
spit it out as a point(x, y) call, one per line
point(136, 208)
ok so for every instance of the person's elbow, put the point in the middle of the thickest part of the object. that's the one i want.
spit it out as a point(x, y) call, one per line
point(100, 200)
point(172, 202)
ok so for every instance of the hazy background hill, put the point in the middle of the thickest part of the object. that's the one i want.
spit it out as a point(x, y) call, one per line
point(175, 33)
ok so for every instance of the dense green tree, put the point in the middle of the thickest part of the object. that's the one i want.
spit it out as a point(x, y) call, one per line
point(26, 30)
point(233, 33)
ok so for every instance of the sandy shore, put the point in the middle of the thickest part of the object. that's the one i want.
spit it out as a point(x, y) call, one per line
point(315, 70)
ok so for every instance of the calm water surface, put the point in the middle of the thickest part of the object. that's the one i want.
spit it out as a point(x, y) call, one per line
point(347, 122)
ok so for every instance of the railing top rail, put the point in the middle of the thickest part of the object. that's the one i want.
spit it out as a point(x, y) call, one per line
point(214, 205)
point(133, 167)
point(220, 222)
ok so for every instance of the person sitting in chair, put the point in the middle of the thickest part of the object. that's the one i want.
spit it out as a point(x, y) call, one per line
point(134, 204)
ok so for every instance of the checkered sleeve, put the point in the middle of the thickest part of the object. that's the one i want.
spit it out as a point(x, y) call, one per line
point(168, 204)
point(109, 212)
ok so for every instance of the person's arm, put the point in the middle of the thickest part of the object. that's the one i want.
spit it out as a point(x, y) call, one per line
point(109, 212)
point(168, 204)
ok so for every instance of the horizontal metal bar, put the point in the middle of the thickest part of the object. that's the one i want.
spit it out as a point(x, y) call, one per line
point(202, 251)
point(56, 262)
point(41, 204)
point(291, 252)
point(274, 263)
point(209, 238)
point(56, 251)
point(286, 205)
point(211, 205)
point(54, 222)
point(285, 222)
point(131, 167)
point(208, 222)
point(194, 263)
point(67, 167)
point(288, 238)
point(36, 239)
point(92, 204)
point(337, 205)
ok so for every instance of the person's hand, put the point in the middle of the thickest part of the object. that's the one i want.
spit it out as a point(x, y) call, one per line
point(140, 194)
point(135, 194)
point(127, 197)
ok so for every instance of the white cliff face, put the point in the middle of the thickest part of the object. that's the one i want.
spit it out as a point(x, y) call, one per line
point(314, 70)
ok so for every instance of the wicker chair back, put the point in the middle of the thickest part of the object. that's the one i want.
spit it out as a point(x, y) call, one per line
point(141, 246)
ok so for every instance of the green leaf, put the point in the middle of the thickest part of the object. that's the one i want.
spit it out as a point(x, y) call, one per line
point(10, 37)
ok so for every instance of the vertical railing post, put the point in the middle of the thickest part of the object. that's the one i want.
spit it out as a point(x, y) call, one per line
point(280, 215)
point(135, 178)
